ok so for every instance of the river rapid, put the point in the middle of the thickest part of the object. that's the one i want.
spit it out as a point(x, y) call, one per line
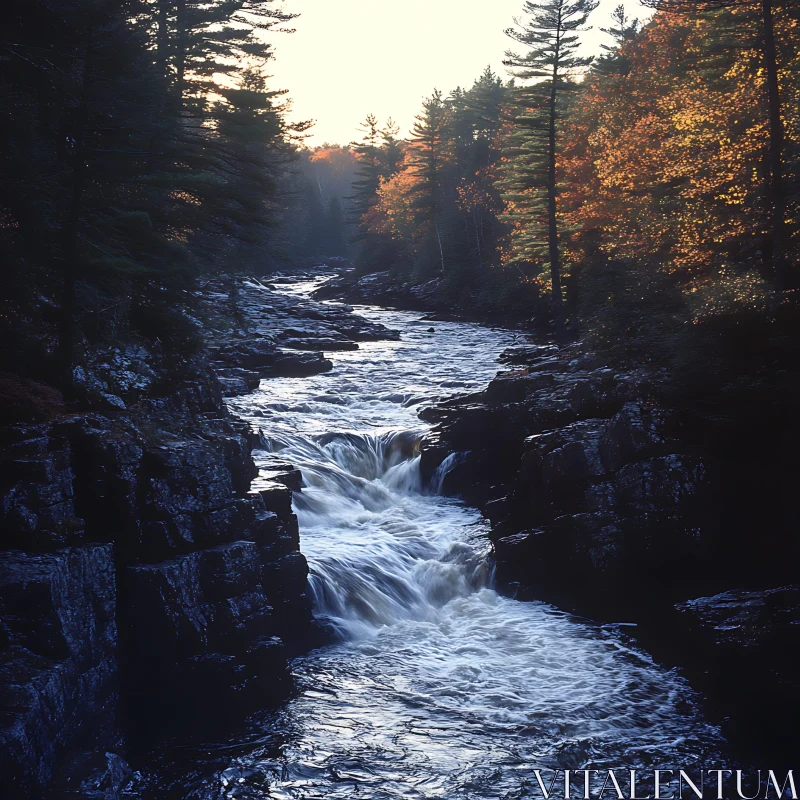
point(439, 687)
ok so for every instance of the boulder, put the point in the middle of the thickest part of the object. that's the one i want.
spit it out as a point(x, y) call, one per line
point(663, 487)
point(635, 433)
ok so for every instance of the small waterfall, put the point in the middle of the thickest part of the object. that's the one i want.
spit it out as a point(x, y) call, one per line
point(442, 471)
point(439, 687)
point(386, 552)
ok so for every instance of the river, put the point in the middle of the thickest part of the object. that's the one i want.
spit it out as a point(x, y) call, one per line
point(440, 687)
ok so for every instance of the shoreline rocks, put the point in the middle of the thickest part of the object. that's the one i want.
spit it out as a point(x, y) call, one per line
point(603, 500)
point(151, 580)
point(439, 298)
point(281, 336)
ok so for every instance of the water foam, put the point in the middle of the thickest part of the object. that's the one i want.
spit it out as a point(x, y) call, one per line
point(440, 687)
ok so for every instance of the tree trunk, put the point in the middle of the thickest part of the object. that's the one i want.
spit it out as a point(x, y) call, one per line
point(66, 327)
point(555, 256)
point(162, 39)
point(776, 188)
point(441, 249)
point(180, 52)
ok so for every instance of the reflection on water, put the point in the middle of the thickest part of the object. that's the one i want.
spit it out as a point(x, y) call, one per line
point(440, 688)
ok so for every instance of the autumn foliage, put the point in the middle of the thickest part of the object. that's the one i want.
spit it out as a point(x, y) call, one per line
point(662, 167)
point(667, 161)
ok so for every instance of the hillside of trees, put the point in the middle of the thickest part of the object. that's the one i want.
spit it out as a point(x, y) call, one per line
point(645, 199)
point(673, 223)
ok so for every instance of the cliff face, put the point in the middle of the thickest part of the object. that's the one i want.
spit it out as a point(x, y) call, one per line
point(605, 500)
point(142, 562)
point(145, 588)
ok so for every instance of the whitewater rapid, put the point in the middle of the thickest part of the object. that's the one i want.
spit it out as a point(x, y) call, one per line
point(439, 687)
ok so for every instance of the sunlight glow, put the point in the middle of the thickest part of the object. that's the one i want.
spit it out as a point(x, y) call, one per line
point(354, 57)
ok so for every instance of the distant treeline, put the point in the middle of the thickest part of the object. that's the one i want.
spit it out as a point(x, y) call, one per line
point(631, 198)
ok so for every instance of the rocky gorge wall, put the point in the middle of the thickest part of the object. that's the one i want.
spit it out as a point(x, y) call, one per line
point(609, 503)
point(147, 585)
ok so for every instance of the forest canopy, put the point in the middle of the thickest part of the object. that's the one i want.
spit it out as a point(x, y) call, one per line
point(626, 198)
point(665, 197)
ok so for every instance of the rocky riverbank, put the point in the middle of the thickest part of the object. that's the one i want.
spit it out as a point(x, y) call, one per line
point(151, 581)
point(498, 303)
point(606, 500)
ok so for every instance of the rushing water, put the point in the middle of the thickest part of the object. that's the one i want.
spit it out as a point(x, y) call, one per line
point(440, 687)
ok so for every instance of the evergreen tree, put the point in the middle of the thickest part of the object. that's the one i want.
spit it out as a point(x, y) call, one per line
point(614, 61)
point(253, 153)
point(523, 177)
point(370, 168)
point(116, 191)
point(77, 134)
point(391, 151)
point(550, 34)
point(477, 195)
point(485, 102)
point(429, 152)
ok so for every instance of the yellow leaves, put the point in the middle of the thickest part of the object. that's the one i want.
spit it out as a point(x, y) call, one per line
point(185, 197)
point(671, 168)
point(472, 197)
point(392, 215)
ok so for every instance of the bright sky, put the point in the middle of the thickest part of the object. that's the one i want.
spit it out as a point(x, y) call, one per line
point(350, 58)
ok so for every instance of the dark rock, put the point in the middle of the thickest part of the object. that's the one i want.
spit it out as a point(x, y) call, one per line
point(277, 497)
point(742, 647)
point(297, 365)
point(37, 510)
point(514, 387)
point(92, 776)
point(58, 671)
point(593, 398)
point(527, 354)
point(636, 432)
point(288, 576)
point(320, 344)
point(661, 487)
point(195, 622)
point(236, 381)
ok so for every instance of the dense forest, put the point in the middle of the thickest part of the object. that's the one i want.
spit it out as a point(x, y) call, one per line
point(624, 197)
point(142, 153)
point(647, 190)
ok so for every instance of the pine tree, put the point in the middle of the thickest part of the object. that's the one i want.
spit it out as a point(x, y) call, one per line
point(614, 60)
point(253, 152)
point(116, 190)
point(550, 34)
point(78, 132)
point(429, 154)
point(523, 177)
point(477, 194)
point(485, 102)
point(391, 148)
point(370, 168)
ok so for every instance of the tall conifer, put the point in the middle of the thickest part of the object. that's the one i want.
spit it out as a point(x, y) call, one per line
point(550, 36)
